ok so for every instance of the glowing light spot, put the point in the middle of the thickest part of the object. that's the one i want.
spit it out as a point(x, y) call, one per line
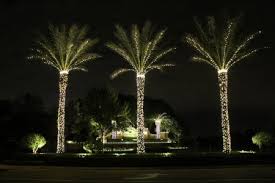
point(64, 72)
point(222, 71)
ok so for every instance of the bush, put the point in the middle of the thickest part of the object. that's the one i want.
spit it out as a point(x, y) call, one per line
point(93, 147)
point(262, 138)
point(34, 142)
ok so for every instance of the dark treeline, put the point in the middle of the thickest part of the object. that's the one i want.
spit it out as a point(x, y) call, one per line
point(27, 114)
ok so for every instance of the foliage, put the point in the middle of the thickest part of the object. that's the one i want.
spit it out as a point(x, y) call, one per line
point(221, 47)
point(261, 138)
point(34, 142)
point(103, 108)
point(65, 48)
point(93, 146)
point(78, 120)
point(89, 148)
point(168, 124)
point(140, 48)
point(91, 117)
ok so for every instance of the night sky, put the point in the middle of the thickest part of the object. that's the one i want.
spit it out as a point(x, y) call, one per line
point(190, 88)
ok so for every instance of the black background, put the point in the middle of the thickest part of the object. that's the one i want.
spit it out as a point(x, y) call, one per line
point(190, 88)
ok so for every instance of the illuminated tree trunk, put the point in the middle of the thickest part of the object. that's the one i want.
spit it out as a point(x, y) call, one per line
point(223, 83)
point(140, 114)
point(34, 151)
point(63, 82)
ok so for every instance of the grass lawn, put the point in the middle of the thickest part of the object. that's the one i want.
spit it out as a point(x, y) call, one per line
point(148, 159)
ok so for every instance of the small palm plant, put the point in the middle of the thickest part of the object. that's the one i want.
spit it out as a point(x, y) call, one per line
point(141, 49)
point(221, 48)
point(65, 48)
point(164, 122)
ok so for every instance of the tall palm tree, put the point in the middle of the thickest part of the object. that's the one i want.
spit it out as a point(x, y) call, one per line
point(66, 48)
point(221, 47)
point(141, 49)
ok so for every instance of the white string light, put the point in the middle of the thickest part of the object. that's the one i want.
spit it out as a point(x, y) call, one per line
point(72, 52)
point(140, 79)
point(223, 84)
point(63, 82)
point(142, 52)
point(227, 53)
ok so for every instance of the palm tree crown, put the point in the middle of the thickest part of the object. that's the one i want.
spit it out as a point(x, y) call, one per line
point(220, 48)
point(65, 48)
point(140, 49)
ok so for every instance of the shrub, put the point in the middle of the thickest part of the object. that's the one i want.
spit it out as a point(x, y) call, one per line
point(261, 138)
point(34, 142)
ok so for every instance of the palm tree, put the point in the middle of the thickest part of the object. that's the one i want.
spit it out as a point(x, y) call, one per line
point(221, 48)
point(141, 50)
point(164, 122)
point(66, 48)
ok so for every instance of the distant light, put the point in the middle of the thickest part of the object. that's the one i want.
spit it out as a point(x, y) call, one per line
point(71, 142)
point(247, 152)
point(177, 148)
point(119, 154)
point(118, 149)
point(166, 154)
point(82, 155)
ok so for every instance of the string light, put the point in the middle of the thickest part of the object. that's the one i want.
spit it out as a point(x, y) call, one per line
point(225, 54)
point(140, 79)
point(65, 49)
point(141, 51)
point(223, 84)
point(63, 82)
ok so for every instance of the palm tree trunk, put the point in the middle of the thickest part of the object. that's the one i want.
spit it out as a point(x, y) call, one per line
point(63, 82)
point(140, 79)
point(223, 83)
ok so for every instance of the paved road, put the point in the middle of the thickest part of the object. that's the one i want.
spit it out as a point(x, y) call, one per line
point(51, 174)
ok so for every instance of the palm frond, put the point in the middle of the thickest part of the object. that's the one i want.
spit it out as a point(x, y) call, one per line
point(120, 71)
point(245, 55)
point(160, 55)
point(220, 46)
point(160, 66)
point(243, 45)
point(65, 48)
point(140, 48)
point(200, 59)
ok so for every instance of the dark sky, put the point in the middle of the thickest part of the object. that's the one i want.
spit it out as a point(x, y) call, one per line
point(190, 88)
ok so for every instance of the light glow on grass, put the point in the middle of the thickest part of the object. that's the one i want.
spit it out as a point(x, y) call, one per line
point(119, 154)
point(247, 152)
point(160, 142)
point(82, 155)
point(166, 154)
point(177, 148)
point(71, 142)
